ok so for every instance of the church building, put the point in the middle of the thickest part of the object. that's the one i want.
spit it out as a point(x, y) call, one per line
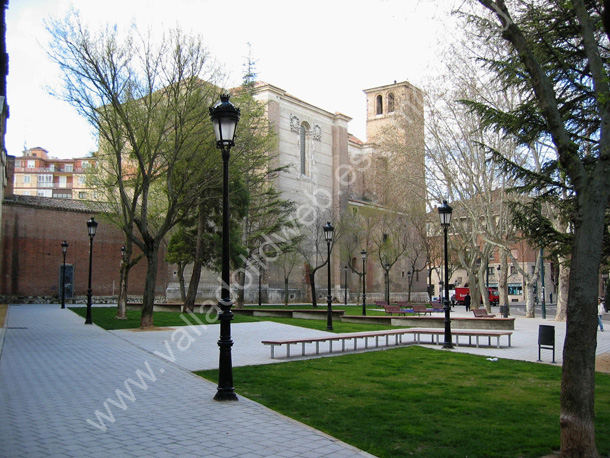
point(332, 175)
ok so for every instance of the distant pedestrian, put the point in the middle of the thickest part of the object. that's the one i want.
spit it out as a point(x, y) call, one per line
point(467, 301)
point(601, 309)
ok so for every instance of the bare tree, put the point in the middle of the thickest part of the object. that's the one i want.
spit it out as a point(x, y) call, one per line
point(147, 100)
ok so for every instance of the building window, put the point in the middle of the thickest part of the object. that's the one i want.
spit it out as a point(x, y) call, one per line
point(45, 181)
point(27, 179)
point(379, 105)
point(45, 193)
point(491, 271)
point(82, 195)
point(69, 168)
point(304, 130)
point(31, 164)
point(390, 103)
point(82, 179)
point(515, 289)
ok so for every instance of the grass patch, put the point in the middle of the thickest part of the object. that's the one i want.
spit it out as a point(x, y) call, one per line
point(105, 317)
point(420, 402)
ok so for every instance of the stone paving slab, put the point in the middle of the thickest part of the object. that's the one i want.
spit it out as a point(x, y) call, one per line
point(69, 389)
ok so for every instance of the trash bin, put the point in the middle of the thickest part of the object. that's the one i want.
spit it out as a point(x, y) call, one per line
point(504, 311)
point(546, 339)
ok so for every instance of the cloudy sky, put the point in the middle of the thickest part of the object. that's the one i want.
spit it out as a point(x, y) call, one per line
point(322, 51)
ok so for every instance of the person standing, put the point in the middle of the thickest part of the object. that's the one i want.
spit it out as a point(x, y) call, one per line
point(467, 301)
point(601, 309)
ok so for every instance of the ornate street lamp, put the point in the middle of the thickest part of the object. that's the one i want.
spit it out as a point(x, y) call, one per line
point(91, 229)
point(64, 250)
point(363, 253)
point(328, 236)
point(225, 116)
point(345, 285)
point(444, 212)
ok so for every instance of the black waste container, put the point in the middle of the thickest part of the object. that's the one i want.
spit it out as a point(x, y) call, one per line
point(546, 339)
point(504, 311)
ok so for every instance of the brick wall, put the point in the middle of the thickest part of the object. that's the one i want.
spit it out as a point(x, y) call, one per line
point(32, 256)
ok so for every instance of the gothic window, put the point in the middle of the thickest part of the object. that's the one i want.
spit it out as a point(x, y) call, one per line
point(303, 147)
point(379, 104)
point(390, 103)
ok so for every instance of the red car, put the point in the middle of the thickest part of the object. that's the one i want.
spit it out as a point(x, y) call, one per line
point(460, 294)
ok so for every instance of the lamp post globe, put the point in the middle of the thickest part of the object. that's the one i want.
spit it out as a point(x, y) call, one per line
point(64, 250)
point(91, 230)
point(444, 212)
point(363, 254)
point(328, 236)
point(225, 116)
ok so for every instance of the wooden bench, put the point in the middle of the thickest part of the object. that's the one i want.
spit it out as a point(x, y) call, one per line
point(397, 334)
point(435, 335)
point(381, 303)
point(482, 313)
point(390, 309)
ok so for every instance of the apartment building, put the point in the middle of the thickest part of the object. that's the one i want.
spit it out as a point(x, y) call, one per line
point(38, 174)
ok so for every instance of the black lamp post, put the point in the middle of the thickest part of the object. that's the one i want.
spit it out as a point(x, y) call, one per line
point(345, 285)
point(328, 236)
point(225, 116)
point(363, 253)
point(444, 212)
point(64, 250)
point(91, 228)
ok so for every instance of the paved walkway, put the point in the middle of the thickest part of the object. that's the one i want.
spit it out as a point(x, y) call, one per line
point(67, 389)
point(56, 374)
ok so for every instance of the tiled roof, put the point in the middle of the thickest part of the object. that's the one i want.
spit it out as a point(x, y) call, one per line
point(55, 204)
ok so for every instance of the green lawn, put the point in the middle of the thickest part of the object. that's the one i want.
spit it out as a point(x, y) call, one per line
point(421, 402)
point(104, 317)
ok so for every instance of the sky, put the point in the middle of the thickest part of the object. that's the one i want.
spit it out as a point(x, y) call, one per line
point(324, 52)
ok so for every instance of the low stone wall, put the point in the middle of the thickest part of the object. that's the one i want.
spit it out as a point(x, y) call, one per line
point(503, 324)
point(320, 314)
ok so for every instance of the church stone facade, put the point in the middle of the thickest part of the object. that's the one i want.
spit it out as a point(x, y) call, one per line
point(324, 178)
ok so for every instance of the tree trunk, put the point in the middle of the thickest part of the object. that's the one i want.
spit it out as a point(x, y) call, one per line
point(191, 295)
point(121, 312)
point(181, 267)
point(312, 284)
point(475, 294)
point(502, 281)
point(562, 292)
point(484, 294)
point(152, 256)
point(285, 291)
point(241, 281)
point(578, 375)
point(530, 299)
